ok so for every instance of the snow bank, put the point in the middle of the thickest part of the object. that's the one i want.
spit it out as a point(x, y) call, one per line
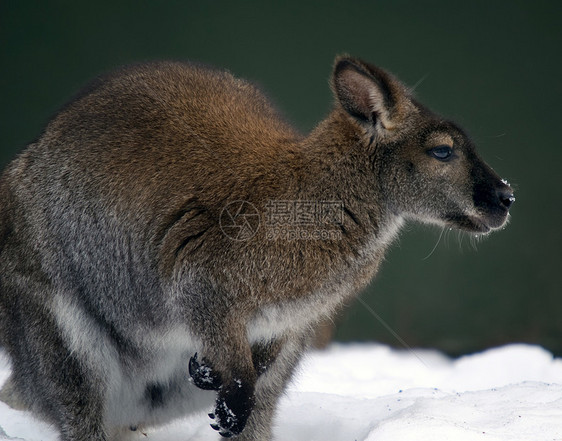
point(374, 393)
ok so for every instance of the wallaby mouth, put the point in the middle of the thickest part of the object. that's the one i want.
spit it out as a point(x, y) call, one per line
point(487, 224)
point(478, 224)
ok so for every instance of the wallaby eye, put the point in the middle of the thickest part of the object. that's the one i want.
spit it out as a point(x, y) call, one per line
point(442, 152)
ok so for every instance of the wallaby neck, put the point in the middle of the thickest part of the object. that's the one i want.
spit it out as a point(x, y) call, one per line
point(331, 168)
point(338, 167)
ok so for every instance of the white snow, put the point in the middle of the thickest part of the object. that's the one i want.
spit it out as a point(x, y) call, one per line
point(374, 393)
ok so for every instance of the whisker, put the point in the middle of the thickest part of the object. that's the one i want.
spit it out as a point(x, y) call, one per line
point(460, 237)
point(448, 233)
point(436, 245)
point(421, 80)
point(389, 329)
point(473, 241)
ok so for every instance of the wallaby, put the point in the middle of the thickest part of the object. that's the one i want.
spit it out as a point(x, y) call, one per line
point(170, 242)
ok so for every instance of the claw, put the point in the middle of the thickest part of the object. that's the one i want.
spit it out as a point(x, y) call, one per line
point(212, 416)
point(225, 434)
point(193, 365)
point(215, 427)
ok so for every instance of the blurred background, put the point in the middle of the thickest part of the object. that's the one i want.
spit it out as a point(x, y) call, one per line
point(494, 67)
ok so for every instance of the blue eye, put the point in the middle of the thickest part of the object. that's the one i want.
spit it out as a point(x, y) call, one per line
point(442, 152)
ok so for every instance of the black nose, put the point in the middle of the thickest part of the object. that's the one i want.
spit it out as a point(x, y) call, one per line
point(506, 198)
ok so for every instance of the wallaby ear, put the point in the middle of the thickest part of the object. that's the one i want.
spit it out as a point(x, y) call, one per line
point(364, 91)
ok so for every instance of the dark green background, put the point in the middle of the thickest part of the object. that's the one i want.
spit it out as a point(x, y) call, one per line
point(493, 66)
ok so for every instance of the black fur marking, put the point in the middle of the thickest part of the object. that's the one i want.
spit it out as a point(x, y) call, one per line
point(189, 211)
point(264, 354)
point(189, 239)
point(410, 167)
point(154, 394)
point(351, 215)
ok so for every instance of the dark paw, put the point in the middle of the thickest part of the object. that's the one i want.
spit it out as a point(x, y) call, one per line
point(203, 375)
point(222, 432)
point(232, 409)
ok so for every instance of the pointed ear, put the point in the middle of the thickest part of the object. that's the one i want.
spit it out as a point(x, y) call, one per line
point(365, 92)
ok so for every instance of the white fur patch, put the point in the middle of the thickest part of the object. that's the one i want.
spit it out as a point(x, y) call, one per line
point(276, 320)
point(124, 386)
point(85, 337)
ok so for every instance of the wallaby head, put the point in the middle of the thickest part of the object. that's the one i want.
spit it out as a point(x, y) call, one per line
point(426, 167)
